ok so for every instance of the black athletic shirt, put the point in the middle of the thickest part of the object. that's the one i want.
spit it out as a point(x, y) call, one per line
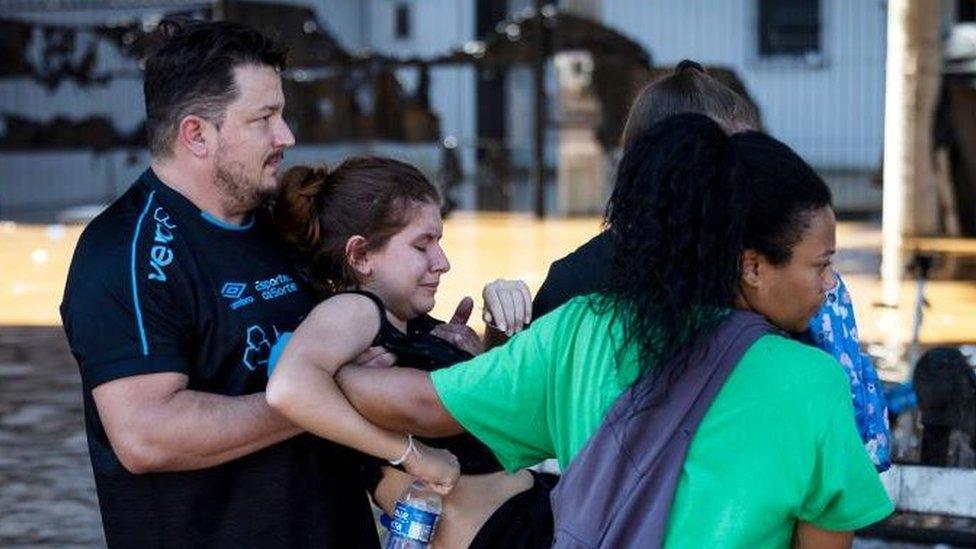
point(156, 285)
point(419, 349)
point(585, 271)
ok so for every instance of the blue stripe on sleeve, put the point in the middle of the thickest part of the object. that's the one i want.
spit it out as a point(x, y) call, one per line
point(135, 287)
point(276, 351)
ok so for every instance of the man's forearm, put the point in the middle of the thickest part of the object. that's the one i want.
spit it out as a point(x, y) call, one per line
point(196, 430)
point(399, 399)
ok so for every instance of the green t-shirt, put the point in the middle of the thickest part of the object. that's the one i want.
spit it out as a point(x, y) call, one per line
point(778, 444)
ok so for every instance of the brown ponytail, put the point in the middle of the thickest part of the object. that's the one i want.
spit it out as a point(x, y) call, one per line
point(295, 212)
point(318, 210)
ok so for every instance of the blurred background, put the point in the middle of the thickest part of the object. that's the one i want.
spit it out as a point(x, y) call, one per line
point(515, 107)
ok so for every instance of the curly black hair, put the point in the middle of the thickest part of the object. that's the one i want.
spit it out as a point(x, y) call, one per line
point(783, 192)
point(688, 200)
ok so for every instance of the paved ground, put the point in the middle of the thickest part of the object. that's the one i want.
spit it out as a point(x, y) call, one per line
point(47, 494)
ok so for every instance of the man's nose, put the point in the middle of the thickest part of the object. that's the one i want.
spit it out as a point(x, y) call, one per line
point(283, 136)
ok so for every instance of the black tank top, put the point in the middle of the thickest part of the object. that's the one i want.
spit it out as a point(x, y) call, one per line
point(419, 349)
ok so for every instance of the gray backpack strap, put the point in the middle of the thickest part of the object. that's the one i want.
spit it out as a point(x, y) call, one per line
point(618, 491)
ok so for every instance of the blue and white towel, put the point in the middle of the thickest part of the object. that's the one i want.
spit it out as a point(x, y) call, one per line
point(834, 330)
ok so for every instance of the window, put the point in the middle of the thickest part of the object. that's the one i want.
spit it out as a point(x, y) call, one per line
point(966, 11)
point(402, 22)
point(789, 28)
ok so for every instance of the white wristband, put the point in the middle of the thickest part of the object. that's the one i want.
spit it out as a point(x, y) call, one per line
point(406, 453)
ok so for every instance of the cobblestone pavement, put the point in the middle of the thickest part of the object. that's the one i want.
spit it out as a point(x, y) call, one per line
point(47, 492)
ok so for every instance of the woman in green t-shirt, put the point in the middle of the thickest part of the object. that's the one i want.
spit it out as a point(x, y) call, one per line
point(702, 222)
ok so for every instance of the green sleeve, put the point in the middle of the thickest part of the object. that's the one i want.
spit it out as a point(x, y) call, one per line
point(845, 492)
point(500, 398)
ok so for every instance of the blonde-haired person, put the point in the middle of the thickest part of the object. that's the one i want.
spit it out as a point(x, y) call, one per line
point(690, 89)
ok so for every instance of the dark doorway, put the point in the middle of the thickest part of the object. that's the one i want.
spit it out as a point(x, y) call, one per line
point(491, 114)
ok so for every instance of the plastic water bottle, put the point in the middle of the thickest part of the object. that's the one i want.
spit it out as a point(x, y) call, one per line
point(414, 518)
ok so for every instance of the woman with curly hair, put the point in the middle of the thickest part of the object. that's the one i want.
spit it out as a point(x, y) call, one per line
point(690, 89)
point(706, 227)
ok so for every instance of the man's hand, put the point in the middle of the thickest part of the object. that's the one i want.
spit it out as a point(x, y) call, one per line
point(457, 332)
point(508, 305)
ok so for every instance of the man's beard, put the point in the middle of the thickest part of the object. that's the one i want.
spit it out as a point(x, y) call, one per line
point(231, 179)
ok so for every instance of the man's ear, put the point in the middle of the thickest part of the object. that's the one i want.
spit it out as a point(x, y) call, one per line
point(358, 256)
point(752, 263)
point(196, 135)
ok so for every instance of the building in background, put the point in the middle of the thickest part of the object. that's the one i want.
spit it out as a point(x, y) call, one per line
point(815, 68)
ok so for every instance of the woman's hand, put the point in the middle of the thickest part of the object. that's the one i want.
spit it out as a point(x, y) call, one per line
point(436, 467)
point(508, 305)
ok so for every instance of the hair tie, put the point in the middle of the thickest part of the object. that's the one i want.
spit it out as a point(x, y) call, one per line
point(320, 173)
point(689, 64)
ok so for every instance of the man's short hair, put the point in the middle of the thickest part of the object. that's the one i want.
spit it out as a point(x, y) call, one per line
point(192, 72)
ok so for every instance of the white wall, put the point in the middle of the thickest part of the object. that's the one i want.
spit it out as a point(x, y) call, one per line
point(343, 19)
point(832, 115)
point(51, 180)
point(436, 28)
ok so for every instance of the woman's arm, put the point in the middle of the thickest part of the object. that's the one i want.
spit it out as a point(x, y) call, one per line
point(808, 536)
point(302, 388)
point(400, 399)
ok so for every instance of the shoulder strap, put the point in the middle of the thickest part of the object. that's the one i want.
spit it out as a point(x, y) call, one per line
point(385, 325)
point(617, 492)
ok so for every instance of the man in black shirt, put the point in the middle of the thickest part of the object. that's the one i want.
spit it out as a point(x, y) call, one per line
point(175, 296)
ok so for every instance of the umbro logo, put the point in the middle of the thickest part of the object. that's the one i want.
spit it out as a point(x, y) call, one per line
point(233, 290)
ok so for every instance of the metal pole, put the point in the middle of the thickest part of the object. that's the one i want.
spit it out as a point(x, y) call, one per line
point(539, 137)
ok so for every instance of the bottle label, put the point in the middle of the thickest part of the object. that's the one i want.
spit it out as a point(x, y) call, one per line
point(413, 523)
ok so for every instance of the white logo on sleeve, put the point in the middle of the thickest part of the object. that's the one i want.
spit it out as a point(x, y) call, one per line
point(258, 347)
point(161, 255)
